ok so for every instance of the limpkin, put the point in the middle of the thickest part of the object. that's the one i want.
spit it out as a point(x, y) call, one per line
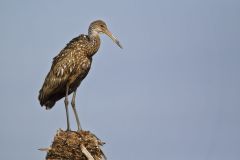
point(71, 66)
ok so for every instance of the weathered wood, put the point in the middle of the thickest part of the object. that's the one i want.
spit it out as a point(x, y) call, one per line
point(72, 145)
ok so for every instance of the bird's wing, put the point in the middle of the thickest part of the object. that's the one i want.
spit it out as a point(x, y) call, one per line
point(56, 79)
point(55, 82)
point(79, 42)
point(63, 66)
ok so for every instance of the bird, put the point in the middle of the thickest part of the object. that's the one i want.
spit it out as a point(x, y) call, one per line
point(71, 66)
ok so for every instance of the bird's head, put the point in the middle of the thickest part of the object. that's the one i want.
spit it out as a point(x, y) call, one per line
point(98, 27)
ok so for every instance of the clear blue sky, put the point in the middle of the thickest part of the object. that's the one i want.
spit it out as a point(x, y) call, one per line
point(172, 93)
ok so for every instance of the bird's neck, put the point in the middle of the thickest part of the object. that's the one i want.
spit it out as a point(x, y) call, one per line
point(94, 44)
point(92, 32)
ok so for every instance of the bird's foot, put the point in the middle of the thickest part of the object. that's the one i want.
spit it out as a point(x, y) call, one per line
point(68, 130)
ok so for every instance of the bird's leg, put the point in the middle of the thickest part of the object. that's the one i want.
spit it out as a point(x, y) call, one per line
point(66, 107)
point(75, 111)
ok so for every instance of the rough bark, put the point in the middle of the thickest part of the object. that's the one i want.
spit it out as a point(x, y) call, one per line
point(72, 145)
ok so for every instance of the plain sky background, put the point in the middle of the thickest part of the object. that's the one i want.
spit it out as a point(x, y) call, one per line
point(172, 93)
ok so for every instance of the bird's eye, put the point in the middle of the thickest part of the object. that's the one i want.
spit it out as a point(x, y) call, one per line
point(101, 26)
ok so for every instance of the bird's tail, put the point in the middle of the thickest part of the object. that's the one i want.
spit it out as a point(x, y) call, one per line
point(44, 102)
point(49, 104)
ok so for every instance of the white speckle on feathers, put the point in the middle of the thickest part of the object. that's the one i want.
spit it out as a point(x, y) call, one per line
point(62, 70)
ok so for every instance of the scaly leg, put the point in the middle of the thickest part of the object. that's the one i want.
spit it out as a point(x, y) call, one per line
point(66, 107)
point(75, 111)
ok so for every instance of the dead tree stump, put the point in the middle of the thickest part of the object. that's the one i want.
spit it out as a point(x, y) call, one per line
point(72, 145)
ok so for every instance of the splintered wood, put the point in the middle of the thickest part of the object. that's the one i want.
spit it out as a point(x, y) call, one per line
point(71, 145)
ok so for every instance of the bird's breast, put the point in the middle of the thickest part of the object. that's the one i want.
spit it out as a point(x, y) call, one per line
point(80, 72)
point(83, 65)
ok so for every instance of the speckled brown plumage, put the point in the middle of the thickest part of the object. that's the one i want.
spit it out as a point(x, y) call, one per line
point(68, 68)
point(71, 66)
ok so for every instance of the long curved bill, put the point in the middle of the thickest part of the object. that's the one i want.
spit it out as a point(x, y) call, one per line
point(115, 40)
